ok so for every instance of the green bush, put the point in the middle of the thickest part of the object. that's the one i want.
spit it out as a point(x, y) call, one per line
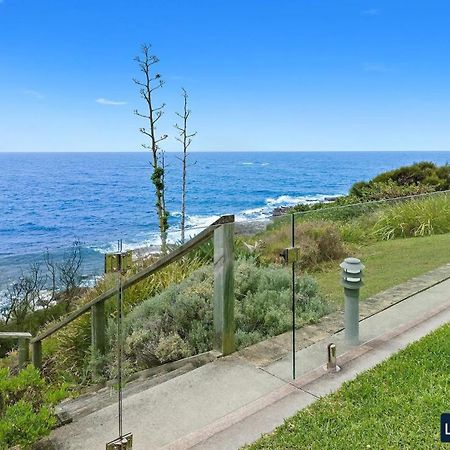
point(319, 241)
point(178, 322)
point(26, 407)
point(422, 175)
point(420, 178)
point(23, 425)
point(414, 218)
point(182, 311)
point(385, 190)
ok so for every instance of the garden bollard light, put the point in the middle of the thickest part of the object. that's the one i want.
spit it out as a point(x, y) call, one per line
point(352, 272)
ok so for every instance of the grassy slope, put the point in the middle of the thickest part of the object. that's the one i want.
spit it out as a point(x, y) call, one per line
point(394, 405)
point(389, 263)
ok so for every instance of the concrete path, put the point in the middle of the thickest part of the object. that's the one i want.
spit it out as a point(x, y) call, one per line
point(231, 401)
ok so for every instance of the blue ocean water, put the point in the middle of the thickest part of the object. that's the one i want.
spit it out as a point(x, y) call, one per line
point(48, 200)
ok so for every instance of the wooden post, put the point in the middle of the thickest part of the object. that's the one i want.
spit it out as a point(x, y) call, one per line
point(24, 352)
point(37, 354)
point(98, 328)
point(224, 288)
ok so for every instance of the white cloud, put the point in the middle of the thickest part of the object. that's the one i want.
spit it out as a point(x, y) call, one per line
point(375, 67)
point(371, 12)
point(31, 92)
point(105, 101)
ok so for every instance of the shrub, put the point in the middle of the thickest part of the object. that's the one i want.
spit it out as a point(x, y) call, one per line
point(318, 240)
point(178, 322)
point(181, 312)
point(385, 190)
point(420, 178)
point(414, 218)
point(171, 348)
point(416, 176)
point(22, 425)
point(424, 172)
point(25, 407)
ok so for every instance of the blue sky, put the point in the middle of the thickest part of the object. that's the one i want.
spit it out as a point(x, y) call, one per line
point(262, 74)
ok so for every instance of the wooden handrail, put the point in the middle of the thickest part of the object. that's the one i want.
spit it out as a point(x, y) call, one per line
point(15, 335)
point(173, 256)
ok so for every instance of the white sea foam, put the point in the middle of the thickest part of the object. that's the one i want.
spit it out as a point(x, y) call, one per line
point(288, 200)
point(200, 221)
point(152, 241)
point(271, 203)
point(254, 164)
point(197, 223)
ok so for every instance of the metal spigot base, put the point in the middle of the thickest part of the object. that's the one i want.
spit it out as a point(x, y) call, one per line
point(331, 368)
point(122, 443)
point(331, 365)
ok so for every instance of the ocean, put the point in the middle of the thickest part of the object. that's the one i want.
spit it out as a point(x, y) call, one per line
point(49, 200)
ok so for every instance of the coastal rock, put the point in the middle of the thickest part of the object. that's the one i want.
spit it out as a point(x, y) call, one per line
point(280, 210)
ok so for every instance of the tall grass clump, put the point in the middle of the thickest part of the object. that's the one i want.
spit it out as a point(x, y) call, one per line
point(421, 217)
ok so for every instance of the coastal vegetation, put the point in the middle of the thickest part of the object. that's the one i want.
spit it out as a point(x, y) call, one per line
point(168, 316)
point(394, 405)
point(26, 407)
point(425, 174)
point(419, 178)
point(179, 321)
point(360, 223)
point(46, 291)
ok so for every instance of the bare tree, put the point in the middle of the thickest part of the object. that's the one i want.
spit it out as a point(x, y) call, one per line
point(186, 139)
point(24, 295)
point(152, 82)
point(69, 272)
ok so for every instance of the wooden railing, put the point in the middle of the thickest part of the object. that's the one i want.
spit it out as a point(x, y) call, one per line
point(24, 344)
point(223, 232)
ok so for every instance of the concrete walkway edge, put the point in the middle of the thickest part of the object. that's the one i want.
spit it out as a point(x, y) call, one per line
point(201, 435)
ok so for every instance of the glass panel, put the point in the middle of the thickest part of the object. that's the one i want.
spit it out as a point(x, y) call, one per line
point(390, 239)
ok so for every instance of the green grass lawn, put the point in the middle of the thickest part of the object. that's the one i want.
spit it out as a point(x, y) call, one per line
point(388, 263)
point(396, 405)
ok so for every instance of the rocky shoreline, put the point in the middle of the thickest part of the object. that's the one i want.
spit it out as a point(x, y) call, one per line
point(281, 210)
point(244, 228)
